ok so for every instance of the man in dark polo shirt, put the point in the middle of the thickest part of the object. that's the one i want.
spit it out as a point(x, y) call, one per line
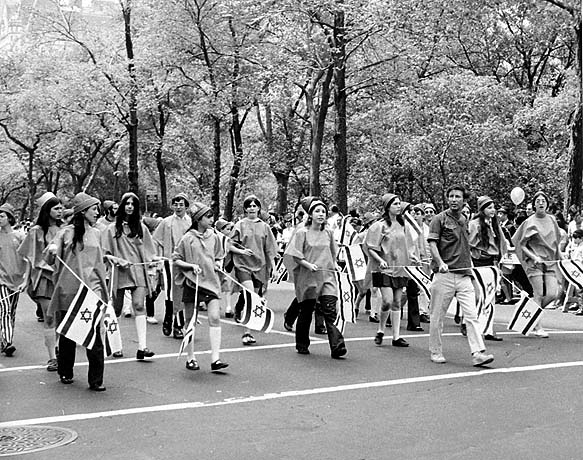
point(450, 250)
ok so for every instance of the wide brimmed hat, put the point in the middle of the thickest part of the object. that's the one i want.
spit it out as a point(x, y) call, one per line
point(40, 202)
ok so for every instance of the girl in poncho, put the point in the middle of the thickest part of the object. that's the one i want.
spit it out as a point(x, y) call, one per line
point(198, 257)
point(39, 274)
point(78, 245)
point(387, 244)
point(537, 248)
point(129, 246)
point(311, 257)
point(253, 271)
point(12, 267)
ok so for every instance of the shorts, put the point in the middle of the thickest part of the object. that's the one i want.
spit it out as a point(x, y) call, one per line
point(380, 280)
point(189, 294)
point(247, 276)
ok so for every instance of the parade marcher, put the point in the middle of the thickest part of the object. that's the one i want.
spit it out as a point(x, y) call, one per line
point(291, 314)
point(39, 274)
point(574, 251)
point(429, 211)
point(451, 264)
point(77, 255)
point(311, 256)
point(228, 287)
point(167, 235)
point(253, 271)
point(537, 248)
point(415, 246)
point(130, 247)
point(109, 209)
point(364, 286)
point(198, 257)
point(487, 246)
point(12, 269)
point(386, 242)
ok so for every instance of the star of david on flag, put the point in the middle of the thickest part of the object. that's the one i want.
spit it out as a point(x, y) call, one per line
point(526, 315)
point(112, 332)
point(572, 270)
point(355, 262)
point(346, 301)
point(82, 318)
point(256, 314)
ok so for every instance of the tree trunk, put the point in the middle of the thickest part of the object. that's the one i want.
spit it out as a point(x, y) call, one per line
point(132, 122)
point(341, 158)
point(163, 120)
point(237, 142)
point(318, 121)
point(575, 177)
point(216, 191)
point(282, 179)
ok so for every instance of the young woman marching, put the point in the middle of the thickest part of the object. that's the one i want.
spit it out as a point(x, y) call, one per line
point(12, 268)
point(198, 256)
point(311, 256)
point(129, 245)
point(253, 271)
point(537, 248)
point(39, 274)
point(78, 245)
point(386, 241)
point(487, 246)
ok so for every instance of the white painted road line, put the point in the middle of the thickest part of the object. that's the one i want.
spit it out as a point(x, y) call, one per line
point(284, 394)
point(316, 341)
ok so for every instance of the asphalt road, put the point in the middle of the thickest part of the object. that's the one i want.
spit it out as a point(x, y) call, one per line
point(271, 403)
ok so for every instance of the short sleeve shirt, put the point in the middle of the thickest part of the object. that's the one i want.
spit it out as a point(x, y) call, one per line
point(451, 235)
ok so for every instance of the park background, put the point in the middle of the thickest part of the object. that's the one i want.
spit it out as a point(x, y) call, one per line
point(345, 99)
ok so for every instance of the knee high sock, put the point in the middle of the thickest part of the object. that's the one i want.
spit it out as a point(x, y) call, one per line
point(50, 342)
point(215, 339)
point(396, 320)
point(141, 331)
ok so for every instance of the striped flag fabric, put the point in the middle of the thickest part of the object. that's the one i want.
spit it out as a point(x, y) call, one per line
point(280, 272)
point(422, 279)
point(347, 232)
point(189, 332)
point(112, 332)
point(413, 223)
point(113, 277)
point(82, 318)
point(526, 315)
point(346, 301)
point(168, 280)
point(487, 279)
point(572, 270)
point(256, 314)
point(355, 262)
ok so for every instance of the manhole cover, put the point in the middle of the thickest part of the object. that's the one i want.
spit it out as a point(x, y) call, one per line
point(26, 439)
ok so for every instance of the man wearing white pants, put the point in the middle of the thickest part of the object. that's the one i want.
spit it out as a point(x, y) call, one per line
point(450, 250)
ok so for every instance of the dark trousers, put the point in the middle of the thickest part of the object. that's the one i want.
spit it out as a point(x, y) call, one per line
point(293, 311)
point(95, 357)
point(413, 304)
point(326, 307)
point(151, 299)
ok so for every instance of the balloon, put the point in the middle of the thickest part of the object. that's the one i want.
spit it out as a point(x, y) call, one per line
point(517, 195)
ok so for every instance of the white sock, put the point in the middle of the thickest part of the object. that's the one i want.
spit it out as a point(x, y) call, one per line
point(396, 323)
point(215, 339)
point(141, 330)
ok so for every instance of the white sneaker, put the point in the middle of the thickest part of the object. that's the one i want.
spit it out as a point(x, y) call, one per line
point(540, 333)
point(481, 359)
point(127, 312)
point(151, 320)
point(438, 358)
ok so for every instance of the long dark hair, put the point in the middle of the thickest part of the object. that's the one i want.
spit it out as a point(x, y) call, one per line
point(387, 217)
point(78, 223)
point(134, 220)
point(484, 237)
point(44, 216)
